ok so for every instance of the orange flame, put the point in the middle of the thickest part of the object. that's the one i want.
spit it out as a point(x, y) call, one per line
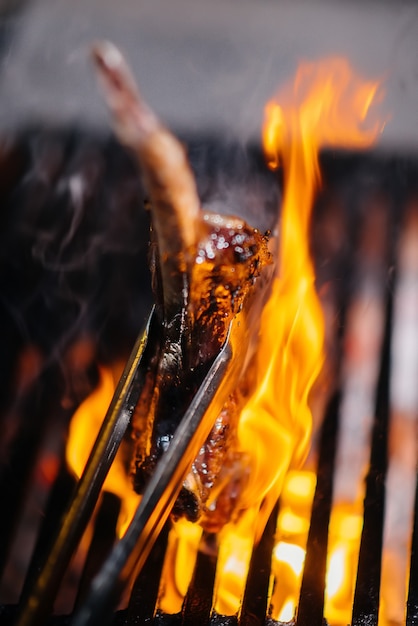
point(344, 544)
point(289, 553)
point(325, 105)
point(84, 428)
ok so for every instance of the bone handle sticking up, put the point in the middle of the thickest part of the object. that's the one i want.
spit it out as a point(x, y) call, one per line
point(167, 177)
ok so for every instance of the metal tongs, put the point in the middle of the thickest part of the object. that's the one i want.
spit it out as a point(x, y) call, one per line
point(131, 551)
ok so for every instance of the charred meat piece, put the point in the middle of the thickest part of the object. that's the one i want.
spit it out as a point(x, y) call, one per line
point(204, 266)
point(228, 261)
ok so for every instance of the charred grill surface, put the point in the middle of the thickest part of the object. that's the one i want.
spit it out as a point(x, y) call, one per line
point(344, 175)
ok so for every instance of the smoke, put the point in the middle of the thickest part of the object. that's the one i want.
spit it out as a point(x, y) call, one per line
point(74, 244)
point(233, 179)
point(74, 234)
point(74, 241)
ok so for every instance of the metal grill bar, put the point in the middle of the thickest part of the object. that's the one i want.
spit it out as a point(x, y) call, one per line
point(412, 603)
point(58, 499)
point(311, 599)
point(144, 595)
point(367, 591)
point(104, 535)
point(198, 601)
point(15, 477)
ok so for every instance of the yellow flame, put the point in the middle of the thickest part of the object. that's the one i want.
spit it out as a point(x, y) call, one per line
point(84, 428)
point(337, 568)
point(344, 544)
point(235, 558)
point(292, 532)
point(236, 542)
point(292, 555)
point(299, 488)
point(289, 553)
point(288, 612)
point(326, 104)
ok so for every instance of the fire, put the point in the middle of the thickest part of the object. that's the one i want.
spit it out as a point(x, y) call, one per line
point(84, 428)
point(326, 105)
point(292, 531)
point(289, 553)
point(344, 541)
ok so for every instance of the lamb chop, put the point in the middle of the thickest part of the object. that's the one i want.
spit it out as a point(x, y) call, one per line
point(205, 268)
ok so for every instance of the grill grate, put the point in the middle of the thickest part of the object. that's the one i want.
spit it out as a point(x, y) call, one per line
point(342, 174)
point(412, 604)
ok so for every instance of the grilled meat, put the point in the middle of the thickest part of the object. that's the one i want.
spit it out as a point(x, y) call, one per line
point(204, 268)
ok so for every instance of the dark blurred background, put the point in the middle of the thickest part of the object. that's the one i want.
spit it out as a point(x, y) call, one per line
point(203, 65)
point(74, 232)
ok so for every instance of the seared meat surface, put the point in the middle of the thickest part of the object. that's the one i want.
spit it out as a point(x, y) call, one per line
point(228, 261)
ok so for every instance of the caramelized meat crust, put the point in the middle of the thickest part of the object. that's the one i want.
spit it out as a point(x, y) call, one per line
point(228, 260)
